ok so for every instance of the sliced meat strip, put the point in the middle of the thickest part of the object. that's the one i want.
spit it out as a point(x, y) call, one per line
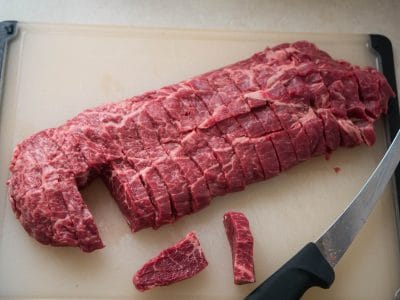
point(222, 150)
point(159, 196)
point(63, 187)
point(169, 139)
point(243, 77)
point(285, 113)
point(241, 240)
point(350, 134)
point(231, 129)
point(167, 168)
point(272, 120)
point(267, 154)
point(289, 116)
point(235, 134)
point(132, 138)
point(181, 106)
point(374, 90)
point(228, 93)
point(26, 195)
point(127, 188)
point(227, 158)
point(86, 229)
point(284, 149)
point(218, 142)
point(192, 172)
point(51, 162)
point(178, 262)
point(91, 125)
point(95, 144)
point(38, 215)
point(123, 177)
point(331, 129)
point(314, 129)
point(72, 151)
point(198, 149)
point(242, 112)
point(202, 154)
point(217, 110)
point(34, 216)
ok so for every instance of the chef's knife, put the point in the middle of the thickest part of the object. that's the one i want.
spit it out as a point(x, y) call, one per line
point(313, 265)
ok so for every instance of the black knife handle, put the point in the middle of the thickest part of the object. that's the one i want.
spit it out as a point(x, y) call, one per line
point(306, 269)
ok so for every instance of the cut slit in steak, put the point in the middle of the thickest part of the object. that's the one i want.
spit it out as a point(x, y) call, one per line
point(166, 153)
point(176, 263)
point(240, 239)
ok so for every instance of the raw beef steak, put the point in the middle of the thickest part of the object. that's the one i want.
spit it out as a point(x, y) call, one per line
point(181, 261)
point(240, 239)
point(166, 153)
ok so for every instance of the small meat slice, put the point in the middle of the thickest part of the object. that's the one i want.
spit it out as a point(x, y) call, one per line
point(267, 154)
point(331, 129)
point(268, 119)
point(288, 116)
point(236, 135)
point(86, 229)
point(216, 108)
point(284, 149)
point(166, 167)
point(170, 138)
point(197, 182)
point(244, 149)
point(314, 129)
point(198, 149)
point(210, 101)
point(237, 229)
point(131, 196)
point(132, 138)
point(68, 145)
point(228, 92)
point(178, 262)
point(159, 196)
point(227, 158)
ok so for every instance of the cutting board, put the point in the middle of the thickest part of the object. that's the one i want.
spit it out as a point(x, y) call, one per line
point(54, 71)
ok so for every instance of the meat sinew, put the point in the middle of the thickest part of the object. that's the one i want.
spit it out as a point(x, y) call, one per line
point(240, 239)
point(168, 152)
point(181, 261)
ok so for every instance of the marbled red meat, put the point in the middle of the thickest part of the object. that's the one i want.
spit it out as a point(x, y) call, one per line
point(241, 240)
point(166, 153)
point(176, 263)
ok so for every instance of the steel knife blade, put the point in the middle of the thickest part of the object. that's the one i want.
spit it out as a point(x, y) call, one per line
point(313, 265)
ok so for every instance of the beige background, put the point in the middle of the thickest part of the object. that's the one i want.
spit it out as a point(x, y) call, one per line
point(359, 16)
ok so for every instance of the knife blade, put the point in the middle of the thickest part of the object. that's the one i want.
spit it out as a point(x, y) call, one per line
point(313, 265)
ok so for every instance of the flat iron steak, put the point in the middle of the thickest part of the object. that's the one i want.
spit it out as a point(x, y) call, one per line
point(166, 153)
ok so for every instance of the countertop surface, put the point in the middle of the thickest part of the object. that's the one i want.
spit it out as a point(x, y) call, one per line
point(358, 16)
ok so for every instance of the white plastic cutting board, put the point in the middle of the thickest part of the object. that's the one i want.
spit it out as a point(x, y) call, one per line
point(53, 72)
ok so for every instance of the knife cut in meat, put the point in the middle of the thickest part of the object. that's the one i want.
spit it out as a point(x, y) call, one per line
point(166, 153)
point(240, 239)
point(181, 261)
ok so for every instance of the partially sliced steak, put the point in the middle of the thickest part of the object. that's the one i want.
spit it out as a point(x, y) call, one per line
point(237, 229)
point(187, 142)
point(176, 263)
